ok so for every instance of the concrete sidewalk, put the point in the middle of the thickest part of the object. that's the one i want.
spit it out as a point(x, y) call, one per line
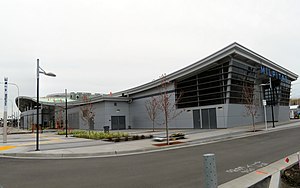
point(59, 146)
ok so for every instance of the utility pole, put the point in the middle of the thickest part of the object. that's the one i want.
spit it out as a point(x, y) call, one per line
point(66, 92)
point(272, 102)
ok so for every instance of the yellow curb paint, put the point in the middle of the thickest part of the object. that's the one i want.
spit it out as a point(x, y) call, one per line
point(6, 147)
point(54, 140)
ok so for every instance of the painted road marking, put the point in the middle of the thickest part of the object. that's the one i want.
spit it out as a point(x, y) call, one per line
point(53, 140)
point(6, 147)
point(261, 172)
point(248, 168)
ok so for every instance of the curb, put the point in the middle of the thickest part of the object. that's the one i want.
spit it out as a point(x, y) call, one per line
point(229, 136)
point(259, 175)
point(75, 155)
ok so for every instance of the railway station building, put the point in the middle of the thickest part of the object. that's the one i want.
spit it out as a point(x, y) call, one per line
point(208, 94)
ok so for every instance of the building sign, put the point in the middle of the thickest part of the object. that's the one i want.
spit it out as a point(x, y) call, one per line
point(274, 74)
point(5, 93)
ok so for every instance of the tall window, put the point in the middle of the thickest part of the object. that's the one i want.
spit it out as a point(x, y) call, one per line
point(241, 75)
point(206, 88)
point(224, 83)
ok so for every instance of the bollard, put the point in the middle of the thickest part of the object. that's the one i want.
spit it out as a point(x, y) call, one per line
point(210, 171)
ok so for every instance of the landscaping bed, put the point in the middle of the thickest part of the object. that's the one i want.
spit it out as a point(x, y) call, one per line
point(105, 136)
point(291, 177)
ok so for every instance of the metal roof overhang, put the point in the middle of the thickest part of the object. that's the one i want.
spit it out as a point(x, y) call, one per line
point(233, 48)
point(28, 101)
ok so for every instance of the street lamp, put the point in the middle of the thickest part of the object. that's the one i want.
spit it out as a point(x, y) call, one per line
point(272, 97)
point(272, 101)
point(38, 71)
point(264, 104)
point(66, 102)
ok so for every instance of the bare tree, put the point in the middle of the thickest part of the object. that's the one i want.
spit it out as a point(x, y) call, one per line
point(59, 117)
point(87, 113)
point(250, 102)
point(166, 105)
point(152, 109)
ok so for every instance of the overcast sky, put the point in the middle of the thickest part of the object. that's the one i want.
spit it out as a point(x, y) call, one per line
point(101, 46)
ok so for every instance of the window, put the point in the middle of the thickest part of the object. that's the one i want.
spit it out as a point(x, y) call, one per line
point(205, 88)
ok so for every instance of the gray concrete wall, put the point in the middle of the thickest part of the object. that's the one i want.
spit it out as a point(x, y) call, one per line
point(269, 113)
point(99, 119)
point(237, 115)
point(228, 115)
point(138, 114)
point(103, 112)
point(81, 122)
point(121, 109)
point(283, 114)
point(140, 119)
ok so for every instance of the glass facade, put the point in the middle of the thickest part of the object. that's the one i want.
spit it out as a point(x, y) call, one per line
point(280, 91)
point(224, 83)
point(203, 89)
point(241, 75)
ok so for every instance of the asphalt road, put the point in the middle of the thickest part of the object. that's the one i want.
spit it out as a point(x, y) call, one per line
point(173, 168)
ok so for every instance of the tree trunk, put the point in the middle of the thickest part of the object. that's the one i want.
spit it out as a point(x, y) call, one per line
point(167, 131)
point(89, 124)
point(153, 125)
point(253, 123)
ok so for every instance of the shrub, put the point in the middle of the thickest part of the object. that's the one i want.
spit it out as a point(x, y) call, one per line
point(135, 137)
point(97, 135)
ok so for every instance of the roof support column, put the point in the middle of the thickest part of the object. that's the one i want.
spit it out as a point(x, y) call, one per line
point(229, 82)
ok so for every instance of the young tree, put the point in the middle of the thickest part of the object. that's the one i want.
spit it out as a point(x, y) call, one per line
point(87, 113)
point(152, 109)
point(166, 105)
point(59, 117)
point(250, 102)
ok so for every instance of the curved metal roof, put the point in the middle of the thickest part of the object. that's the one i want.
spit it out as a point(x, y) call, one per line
point(233, 48)
point(60, 101)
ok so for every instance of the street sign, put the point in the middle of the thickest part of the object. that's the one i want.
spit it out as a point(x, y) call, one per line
point(4, 130)
point(5, 93)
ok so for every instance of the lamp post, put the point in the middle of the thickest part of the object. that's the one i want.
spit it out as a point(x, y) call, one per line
point(272, 102)
point(264, 104)
point(38, 71)
point(66, 112)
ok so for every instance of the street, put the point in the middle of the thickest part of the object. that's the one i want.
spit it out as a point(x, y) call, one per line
point(173, 168)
